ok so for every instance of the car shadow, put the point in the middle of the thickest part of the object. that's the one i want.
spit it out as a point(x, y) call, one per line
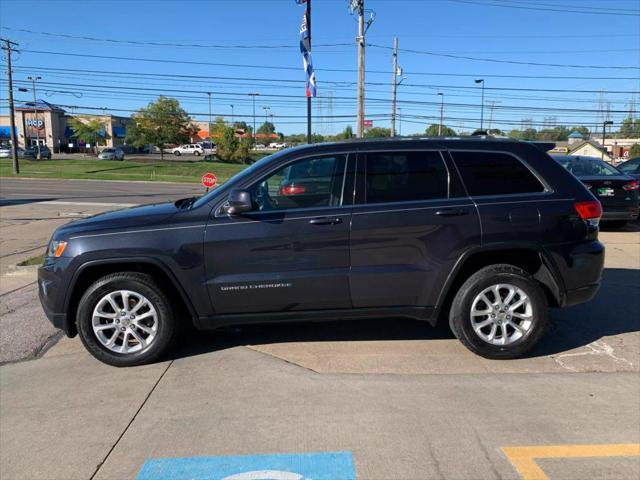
point(613, 311)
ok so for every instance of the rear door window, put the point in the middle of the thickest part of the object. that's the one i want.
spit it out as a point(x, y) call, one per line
point(405, 177)
point(494, 173)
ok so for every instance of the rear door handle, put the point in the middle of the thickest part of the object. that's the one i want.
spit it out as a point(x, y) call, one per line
point(452, 212)
point(325, 221)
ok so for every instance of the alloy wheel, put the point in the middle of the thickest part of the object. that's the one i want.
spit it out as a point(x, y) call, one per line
point(502, 314)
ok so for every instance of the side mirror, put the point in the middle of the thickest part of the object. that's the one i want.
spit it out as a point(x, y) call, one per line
point(239, 202)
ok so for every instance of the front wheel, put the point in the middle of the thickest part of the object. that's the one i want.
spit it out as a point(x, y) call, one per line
point(500, 312)
point(197, 154)
point(177, 153)
point(125, 319)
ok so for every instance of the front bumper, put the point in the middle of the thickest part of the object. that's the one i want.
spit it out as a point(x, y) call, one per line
point(52, 291)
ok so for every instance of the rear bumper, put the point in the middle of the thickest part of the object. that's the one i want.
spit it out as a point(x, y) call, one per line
point(629, 214)
point(580, 295)
point(580, 268)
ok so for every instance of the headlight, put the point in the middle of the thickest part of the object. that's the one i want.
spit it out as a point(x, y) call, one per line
point(56, 248)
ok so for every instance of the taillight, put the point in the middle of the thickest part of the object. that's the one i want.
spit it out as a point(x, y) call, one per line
point(630, 186)
point(287, 190)
point(591, 210)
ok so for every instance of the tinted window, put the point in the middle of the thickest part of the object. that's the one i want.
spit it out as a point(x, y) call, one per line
point(405, 176)
point(489, 173)
point(632, 166)
point(588, 166)
point(309, 183)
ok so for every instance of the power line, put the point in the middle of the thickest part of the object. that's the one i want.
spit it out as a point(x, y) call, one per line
point(514, 62)
point(334, 70)
point(543, 9)
point(241, 94)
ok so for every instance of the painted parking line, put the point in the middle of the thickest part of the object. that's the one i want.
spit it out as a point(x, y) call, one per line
point(524, 458)
point(294, 466)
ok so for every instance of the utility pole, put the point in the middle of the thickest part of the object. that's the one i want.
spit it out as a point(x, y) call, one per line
point(209, 129)
point(35, 113)
point(233, 120)
point(394, 87)
point(361, 45)
point(12, 119)
point(309, 132)
point(441, 113)
point(604, 134)
point(481, 80)
point(254, 95)
point(266, 113)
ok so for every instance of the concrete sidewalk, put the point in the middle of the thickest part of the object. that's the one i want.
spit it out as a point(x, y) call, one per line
point(67, 416)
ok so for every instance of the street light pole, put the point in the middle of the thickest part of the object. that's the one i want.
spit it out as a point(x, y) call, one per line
point(35, 113)
point(604, 134)
point(233, 121)
point(8, 45)
point(481, 80)
point(441, 113)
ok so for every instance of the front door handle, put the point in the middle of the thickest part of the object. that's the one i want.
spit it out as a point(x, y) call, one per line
point(325, 221)
point(452, 212)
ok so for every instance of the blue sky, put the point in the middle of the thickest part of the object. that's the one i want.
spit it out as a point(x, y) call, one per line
point(258, 42)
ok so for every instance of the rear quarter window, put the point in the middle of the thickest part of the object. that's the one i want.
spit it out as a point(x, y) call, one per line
point(494, 173)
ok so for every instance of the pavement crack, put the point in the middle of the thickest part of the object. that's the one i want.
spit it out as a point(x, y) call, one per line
point(135, 415)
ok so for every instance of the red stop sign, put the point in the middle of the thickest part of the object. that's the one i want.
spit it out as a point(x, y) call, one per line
point(209, 180)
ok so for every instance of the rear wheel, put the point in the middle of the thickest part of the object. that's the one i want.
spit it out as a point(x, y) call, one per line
point(196, 153)
point(125, 319)
point(177, 153)
point(500, 312)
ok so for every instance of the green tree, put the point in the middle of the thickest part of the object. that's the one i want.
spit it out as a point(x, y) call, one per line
point(434, 128)
point(634, 151)
point(160, 123)
point(229, 148)
point(89, 130)
point(630, 128)
point(347, 133)
point(267, 128)
point(375, 132)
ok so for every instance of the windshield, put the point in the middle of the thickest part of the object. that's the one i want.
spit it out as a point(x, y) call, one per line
point(237, 178)
point(587, 166)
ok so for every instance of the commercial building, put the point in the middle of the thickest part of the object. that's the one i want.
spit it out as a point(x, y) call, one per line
point(47, 124)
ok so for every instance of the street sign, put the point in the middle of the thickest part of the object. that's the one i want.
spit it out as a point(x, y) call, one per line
point(209, 180)
point(368, 123)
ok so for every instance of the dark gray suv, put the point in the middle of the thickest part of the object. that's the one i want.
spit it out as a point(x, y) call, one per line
point(482, 233)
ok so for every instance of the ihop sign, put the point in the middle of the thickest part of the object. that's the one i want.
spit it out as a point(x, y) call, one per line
point(35, 123)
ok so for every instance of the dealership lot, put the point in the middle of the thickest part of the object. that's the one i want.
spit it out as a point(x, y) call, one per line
point(397, 398)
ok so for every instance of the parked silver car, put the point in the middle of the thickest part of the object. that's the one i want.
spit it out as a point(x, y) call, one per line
point(5, 152)
point(111, 154)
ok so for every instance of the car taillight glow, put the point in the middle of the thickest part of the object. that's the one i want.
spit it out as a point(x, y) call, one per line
point(287, 190)
point(631, 186)
point(588, 210)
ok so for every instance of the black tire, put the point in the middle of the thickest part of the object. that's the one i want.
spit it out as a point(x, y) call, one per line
point(460, 314)
point(197, 154)
point(139, 283)
point(177, 153)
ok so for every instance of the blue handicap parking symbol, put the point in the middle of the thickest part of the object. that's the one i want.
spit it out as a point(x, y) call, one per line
point(293, 466)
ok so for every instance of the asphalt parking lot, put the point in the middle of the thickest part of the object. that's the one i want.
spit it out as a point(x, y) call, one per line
point(384, 399)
